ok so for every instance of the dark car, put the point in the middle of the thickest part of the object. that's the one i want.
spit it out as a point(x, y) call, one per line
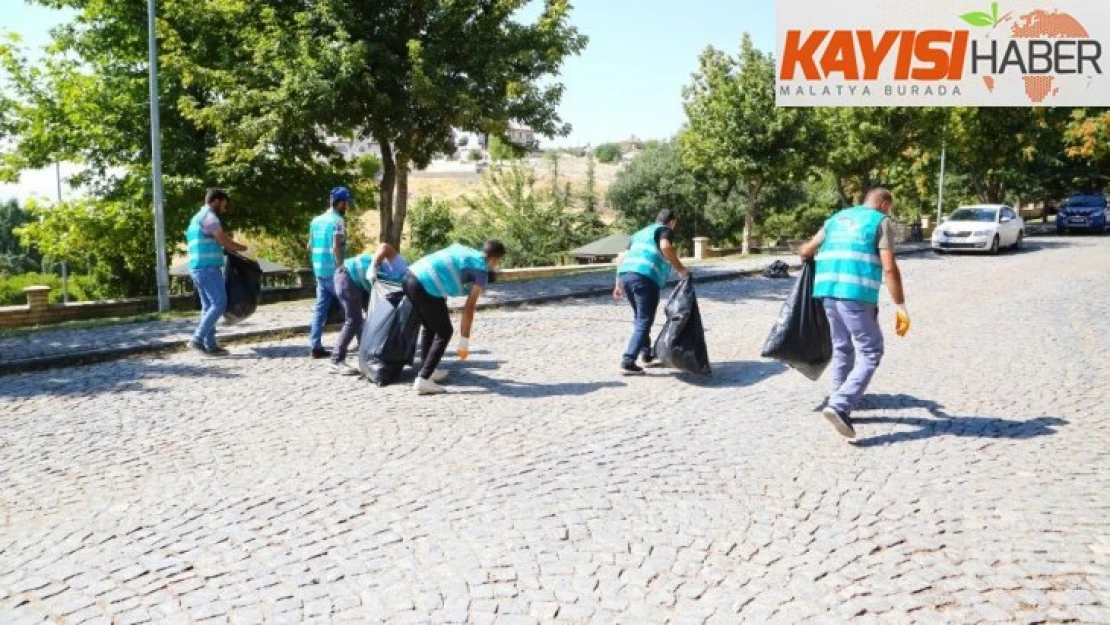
point(1086, 211)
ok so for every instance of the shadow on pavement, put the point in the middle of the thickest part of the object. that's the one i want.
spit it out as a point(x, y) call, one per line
point(940, 423)
point(735, 374)
point(507, 388)
point(120, 376)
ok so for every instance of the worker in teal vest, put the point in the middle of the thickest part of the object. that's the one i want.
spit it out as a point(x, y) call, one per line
point(641, 273)
point(854, 251)
point(327, 241)
point(451, 272)
point(207, 241)
point(354, 280)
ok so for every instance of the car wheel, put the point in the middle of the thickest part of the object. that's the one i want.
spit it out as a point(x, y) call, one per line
point(994, 246)
point(1020, 240)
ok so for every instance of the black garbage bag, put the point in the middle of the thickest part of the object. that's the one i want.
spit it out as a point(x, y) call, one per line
point(388, 341)
point(777, 270)
point(243, 285)
point(801, 337)
point(681, 344)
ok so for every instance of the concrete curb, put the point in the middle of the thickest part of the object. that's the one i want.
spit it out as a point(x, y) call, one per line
point(73, 359)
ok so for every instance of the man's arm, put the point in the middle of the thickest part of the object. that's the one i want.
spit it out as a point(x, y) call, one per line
point(893, 276)
point(810, 248)
point(385, 252)
point(618, 292)
point(468, 311)
point(669, 252)
point(227, 242)
point(337, 248)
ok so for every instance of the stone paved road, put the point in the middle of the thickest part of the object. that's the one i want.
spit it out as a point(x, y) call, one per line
point(18, 351)
point(548, 489)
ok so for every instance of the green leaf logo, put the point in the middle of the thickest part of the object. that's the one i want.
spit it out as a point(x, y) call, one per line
point(982, 19)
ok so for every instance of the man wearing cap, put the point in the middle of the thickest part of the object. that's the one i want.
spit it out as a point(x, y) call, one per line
point(207, 241)
point(641, 273)
point(354, 280)
point(327, 241)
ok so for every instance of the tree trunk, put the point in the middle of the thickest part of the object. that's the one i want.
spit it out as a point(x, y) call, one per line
point(749, 220)
point(400, 202)
point(385, 191)
point(844, 199)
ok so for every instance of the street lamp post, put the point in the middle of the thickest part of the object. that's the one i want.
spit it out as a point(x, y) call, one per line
point(156, 165)
point(65, 268)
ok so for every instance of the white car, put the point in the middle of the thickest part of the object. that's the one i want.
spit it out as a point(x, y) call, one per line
point(980, 228)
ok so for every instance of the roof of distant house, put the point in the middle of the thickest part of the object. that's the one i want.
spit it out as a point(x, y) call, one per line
point(612, 245)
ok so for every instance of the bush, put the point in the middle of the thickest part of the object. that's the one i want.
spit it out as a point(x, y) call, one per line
point(608, 153)
point(430, 226)
point(81, 288)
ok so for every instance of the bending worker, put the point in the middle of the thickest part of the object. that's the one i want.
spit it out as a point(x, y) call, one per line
point(855, 250)
point(327, 243)
point(354, 280)
point(207, 241)
point(641, 274)
point(452, 272)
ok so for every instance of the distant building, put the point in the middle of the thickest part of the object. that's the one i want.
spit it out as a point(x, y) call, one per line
point(631, 144)
point(355, 148)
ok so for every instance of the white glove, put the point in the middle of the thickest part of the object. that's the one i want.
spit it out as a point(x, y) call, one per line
point(372, 274)
point(464, 348)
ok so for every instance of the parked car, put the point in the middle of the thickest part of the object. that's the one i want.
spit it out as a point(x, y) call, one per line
point(982, 228)
point(1086, 211)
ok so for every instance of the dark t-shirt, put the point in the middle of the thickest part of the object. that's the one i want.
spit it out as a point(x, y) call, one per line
point(664, 233)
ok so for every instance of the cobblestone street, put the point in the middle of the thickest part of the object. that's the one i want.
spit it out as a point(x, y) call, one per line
point(547, 488)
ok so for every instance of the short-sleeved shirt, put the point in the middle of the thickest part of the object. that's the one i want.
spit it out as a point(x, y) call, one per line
point(210, 225)
point(341, 229)
point(475, 277)
point(664, 234)
point(884, 236)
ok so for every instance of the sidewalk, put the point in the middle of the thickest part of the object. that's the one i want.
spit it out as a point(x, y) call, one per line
point(69, 347)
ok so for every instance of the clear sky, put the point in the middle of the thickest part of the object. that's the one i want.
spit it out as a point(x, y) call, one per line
point(628, 81)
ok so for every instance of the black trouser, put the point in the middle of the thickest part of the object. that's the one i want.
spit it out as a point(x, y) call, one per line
point(435, 318)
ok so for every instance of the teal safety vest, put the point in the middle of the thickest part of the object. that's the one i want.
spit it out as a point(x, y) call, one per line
point(645, 258)
point(321, 234)
point(848, 264)
point(204, 249)
point(441, 273)
point(356, 269)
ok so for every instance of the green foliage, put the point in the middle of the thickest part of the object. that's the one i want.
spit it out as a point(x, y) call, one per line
point(432, 226)
point(14, 256)
point(502, 150)
point(81, 288)
point(474, 155)
point(115, 238)
point(736, 134)
point(608, 153)
point(536, 225)
point(589, 193)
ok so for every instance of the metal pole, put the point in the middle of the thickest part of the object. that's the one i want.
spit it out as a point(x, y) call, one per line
point(940, 185)
point(156, 162)
point(65, 269)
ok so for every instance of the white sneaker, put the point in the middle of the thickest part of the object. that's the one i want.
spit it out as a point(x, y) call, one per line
point(427, 387)
point(342, 368)
point(439, 376)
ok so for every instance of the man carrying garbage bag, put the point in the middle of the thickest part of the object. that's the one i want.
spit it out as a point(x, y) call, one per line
point(451, 272)
point(353, 282)
point(207, 241)
point(855, 251)
point(641, 273)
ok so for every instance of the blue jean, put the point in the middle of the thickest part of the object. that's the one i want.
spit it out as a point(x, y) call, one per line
point(857, 342)
point(209, 282)
point(325, 295)
point(643, 294)
point(354, 300)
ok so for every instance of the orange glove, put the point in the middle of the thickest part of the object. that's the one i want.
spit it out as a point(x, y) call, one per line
point(901, 321)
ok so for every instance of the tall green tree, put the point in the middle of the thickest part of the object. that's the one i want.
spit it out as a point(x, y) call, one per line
point(406, 74)
point(15, 257)
point(736, 133)
point(86, 101)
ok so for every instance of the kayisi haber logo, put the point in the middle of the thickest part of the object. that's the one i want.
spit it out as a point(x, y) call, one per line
point(993, 57)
